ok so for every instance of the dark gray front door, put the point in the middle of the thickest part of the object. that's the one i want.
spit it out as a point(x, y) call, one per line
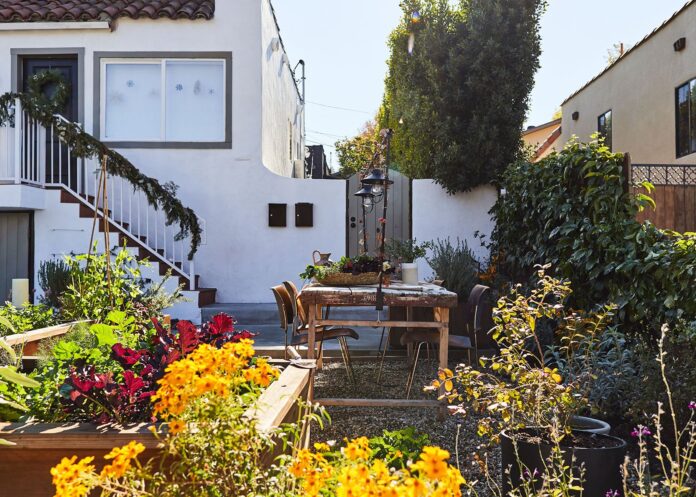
point(15, 250)
point(63, 169)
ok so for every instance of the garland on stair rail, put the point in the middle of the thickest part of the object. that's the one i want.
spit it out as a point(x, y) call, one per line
point(84, 145)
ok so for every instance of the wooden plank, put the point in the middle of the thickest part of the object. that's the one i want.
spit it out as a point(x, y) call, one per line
point(397, 295)
point(279, 400)
point(690, 208)
point(379, 324)
point(377, 403)
point(73, 436)
point(40, 334)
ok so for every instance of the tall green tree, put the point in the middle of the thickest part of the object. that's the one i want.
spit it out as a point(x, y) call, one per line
point(457, 92)
point(355, 154)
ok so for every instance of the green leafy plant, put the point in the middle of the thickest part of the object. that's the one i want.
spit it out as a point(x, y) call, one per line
point(575, 210)
point(54, 279)
point(518, 389)
point(398, 447)
point(12, 382)
point(355, 265)
point(26, 318)
point(406, 250)
point(101, 283)
point(455, 264)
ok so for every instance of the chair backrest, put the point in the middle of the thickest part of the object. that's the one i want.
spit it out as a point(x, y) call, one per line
point(285, 307)
point(478, 293)
point(301, 309)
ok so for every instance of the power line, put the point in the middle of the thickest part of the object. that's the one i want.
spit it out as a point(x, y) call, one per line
point(325, 134)
point(341, 108)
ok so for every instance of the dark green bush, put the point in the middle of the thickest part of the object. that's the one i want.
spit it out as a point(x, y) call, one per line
point(456, 265)
point(574, 210)
point(54, 279)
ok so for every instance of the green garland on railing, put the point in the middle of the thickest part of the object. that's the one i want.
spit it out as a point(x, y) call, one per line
point(84, 145)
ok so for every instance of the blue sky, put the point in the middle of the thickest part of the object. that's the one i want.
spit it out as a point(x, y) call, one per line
point(344, 45)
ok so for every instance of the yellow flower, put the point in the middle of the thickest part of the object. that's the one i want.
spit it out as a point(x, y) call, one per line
point(357, 449)
point(71, 478)
point(175, 426)
point(122, 458)
point(433, 463)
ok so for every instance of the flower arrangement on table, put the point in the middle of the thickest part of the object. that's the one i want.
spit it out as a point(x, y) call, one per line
point(363, 269)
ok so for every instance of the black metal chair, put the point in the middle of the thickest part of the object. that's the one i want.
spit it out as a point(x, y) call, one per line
point(474, 325)
point(291, 312)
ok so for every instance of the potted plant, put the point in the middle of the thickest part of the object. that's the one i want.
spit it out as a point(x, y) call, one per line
point(406, 253)
point(527, 405)
point(360, 270)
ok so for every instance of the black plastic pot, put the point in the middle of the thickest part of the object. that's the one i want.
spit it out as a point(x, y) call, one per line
point(602, 465)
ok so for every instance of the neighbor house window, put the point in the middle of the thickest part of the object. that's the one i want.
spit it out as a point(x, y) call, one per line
point(163, 100)
point(604, 127)
point(686, 119)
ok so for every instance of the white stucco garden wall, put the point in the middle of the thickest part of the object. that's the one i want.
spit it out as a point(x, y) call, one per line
point(230, 189)
point(436, 214)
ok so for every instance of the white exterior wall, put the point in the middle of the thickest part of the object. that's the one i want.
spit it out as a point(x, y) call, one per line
point(229, 189)
point(439, 215)
point(282, 108)
point(640, 91)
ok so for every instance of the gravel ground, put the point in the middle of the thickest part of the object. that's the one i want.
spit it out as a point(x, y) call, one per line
point(351, 422)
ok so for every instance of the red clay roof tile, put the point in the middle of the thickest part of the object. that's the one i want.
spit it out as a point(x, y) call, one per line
point(102, 10)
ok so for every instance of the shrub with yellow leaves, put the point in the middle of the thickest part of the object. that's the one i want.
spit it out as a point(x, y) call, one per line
point(519, 388)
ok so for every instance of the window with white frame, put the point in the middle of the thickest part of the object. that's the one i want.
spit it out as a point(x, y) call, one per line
point(163, 100)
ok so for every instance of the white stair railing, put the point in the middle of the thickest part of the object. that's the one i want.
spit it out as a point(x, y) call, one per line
point(31, 154)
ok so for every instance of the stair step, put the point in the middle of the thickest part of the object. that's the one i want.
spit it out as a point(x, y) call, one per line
point(112, 226)
point(185, 281)
point(68, 198)
point(206, 296)
point(131, 241)
point(88, 212)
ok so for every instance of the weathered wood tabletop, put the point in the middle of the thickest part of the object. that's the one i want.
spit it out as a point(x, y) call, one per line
point(396, 294)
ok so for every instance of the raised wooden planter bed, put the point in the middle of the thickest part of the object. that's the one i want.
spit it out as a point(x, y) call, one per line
point(25, 467)
point(30, 340)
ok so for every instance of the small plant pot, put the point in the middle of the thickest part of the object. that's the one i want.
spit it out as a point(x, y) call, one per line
point(590, 425)
point(601, 460)
point(409, 273)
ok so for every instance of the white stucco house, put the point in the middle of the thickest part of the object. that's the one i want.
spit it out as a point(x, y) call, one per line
point(200, 93)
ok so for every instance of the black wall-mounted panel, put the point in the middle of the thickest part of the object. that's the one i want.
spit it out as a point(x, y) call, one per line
point(277, 215)
point(304, 215)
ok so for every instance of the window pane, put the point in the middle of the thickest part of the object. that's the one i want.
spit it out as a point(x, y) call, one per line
point(195, 101)
point(683, 120)
point(608, 129)
point(133, 102)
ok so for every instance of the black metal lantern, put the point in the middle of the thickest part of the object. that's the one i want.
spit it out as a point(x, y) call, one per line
point(378, 181)
point(368, 198)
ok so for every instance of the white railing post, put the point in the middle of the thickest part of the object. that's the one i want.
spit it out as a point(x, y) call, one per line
point(19, 127)
point(192, 275)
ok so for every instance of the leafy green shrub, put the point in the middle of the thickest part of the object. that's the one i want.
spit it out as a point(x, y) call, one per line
point(406, 250)
point(456, 265)
point(399, 446)
point(100, 285)
point(54, 279)
point(574, 210)
point(26, 318)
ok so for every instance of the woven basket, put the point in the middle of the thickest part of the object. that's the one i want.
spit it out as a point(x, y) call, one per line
point(349, 279)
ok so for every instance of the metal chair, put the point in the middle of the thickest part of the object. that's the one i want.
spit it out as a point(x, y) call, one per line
point(474, 325)
point(289, 310)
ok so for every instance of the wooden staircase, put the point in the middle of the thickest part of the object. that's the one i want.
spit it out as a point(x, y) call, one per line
point(206, 296)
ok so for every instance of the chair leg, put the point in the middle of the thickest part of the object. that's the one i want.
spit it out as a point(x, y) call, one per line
point(346, 359)
point(411, 377)
point(384, 353)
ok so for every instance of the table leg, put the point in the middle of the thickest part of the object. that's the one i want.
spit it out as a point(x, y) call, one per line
point(442, 317)
point(409, 345)
point(311, 331)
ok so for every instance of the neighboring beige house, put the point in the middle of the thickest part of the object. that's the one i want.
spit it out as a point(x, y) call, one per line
point(645, 102)
point(543, 139)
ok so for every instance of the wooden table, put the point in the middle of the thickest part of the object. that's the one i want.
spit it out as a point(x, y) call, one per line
point(395, 295)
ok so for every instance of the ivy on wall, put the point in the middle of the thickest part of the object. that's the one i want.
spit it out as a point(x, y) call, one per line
point(85, 146)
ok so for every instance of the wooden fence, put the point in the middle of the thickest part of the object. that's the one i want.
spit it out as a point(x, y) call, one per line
point(674, 194)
